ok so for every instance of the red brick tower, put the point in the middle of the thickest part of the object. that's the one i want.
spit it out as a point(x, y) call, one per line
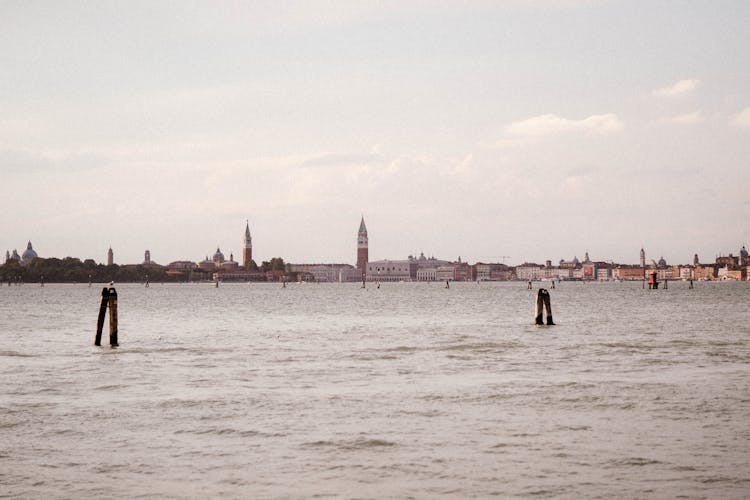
point(362, 255)
point(247, 250)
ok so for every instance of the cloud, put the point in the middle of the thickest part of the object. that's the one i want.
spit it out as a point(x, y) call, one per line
point(686, 119)
point(741, 119)
point(679, 89)
point(552, 124)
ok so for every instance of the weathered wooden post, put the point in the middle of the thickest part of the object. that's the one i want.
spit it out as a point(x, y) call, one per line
point(542, 303)
point(113, 317)
point(102, 313)
point(447, 284)
point(363, 280)
point(528, 285)
point(666, 284)
point(691, 285)
point(41, 280)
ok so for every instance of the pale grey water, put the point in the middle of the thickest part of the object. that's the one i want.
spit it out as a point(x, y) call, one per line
point(407, 391)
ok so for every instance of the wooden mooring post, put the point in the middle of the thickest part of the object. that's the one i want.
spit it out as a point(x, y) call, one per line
point(542, 303)
point(109, 300)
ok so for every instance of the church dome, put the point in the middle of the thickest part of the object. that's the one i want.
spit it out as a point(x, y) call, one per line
point(218, 256)
point(662, 262)
point(28, 255)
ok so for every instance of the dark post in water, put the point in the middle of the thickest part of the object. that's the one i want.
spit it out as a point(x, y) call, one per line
point(109, 299)
point(102, 313)
point(542, 303)
point(113, 317)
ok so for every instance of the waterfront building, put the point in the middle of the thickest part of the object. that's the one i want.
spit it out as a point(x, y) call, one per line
point(704, 272)
point(588, 271)
point(427, 274)
point(362, 247)
point(391, 270)
point(325, 273)
point(529, 271)
point(445, 273)
point(603, 274)
point(628, 272)
point(686, 272)
point(492, 272)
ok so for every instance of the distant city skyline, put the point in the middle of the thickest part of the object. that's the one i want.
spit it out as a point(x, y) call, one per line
point(361, 258)
point(535, 129)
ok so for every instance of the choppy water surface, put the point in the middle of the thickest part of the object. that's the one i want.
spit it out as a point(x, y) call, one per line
point(410, 390)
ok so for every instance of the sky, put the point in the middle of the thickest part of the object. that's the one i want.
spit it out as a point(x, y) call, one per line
point(508, 131)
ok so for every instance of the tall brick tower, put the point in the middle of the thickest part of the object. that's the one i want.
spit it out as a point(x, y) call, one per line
point(362, 255)
point(247, 249)
point(110, 257)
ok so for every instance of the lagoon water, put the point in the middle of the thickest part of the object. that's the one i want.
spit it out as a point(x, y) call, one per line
point(407, 391)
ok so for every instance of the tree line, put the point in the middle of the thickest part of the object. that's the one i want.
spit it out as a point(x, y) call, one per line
point(73, 270)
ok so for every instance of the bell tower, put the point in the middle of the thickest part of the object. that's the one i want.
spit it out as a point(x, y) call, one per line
point(247, 249)
point(362, 254)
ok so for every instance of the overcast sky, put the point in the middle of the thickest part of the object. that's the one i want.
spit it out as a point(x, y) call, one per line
point(530, 129)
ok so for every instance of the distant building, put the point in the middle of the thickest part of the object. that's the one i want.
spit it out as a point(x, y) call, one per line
point(391, 270)
point(13, 256)
point(529, 271)
point(218, 258)
point(28, 255)
point(427, 274)
point(324, 273)
point(643, 258)
point(181, 265)
point(147, 258)
point(230, 265)
point(110, 257)
point(247, 249)
point(362, 250)
point(569, 264)
point(492, 272)
point(627, 272)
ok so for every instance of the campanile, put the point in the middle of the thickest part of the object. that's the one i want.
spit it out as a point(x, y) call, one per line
point(247, 249)
point(362, 255)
